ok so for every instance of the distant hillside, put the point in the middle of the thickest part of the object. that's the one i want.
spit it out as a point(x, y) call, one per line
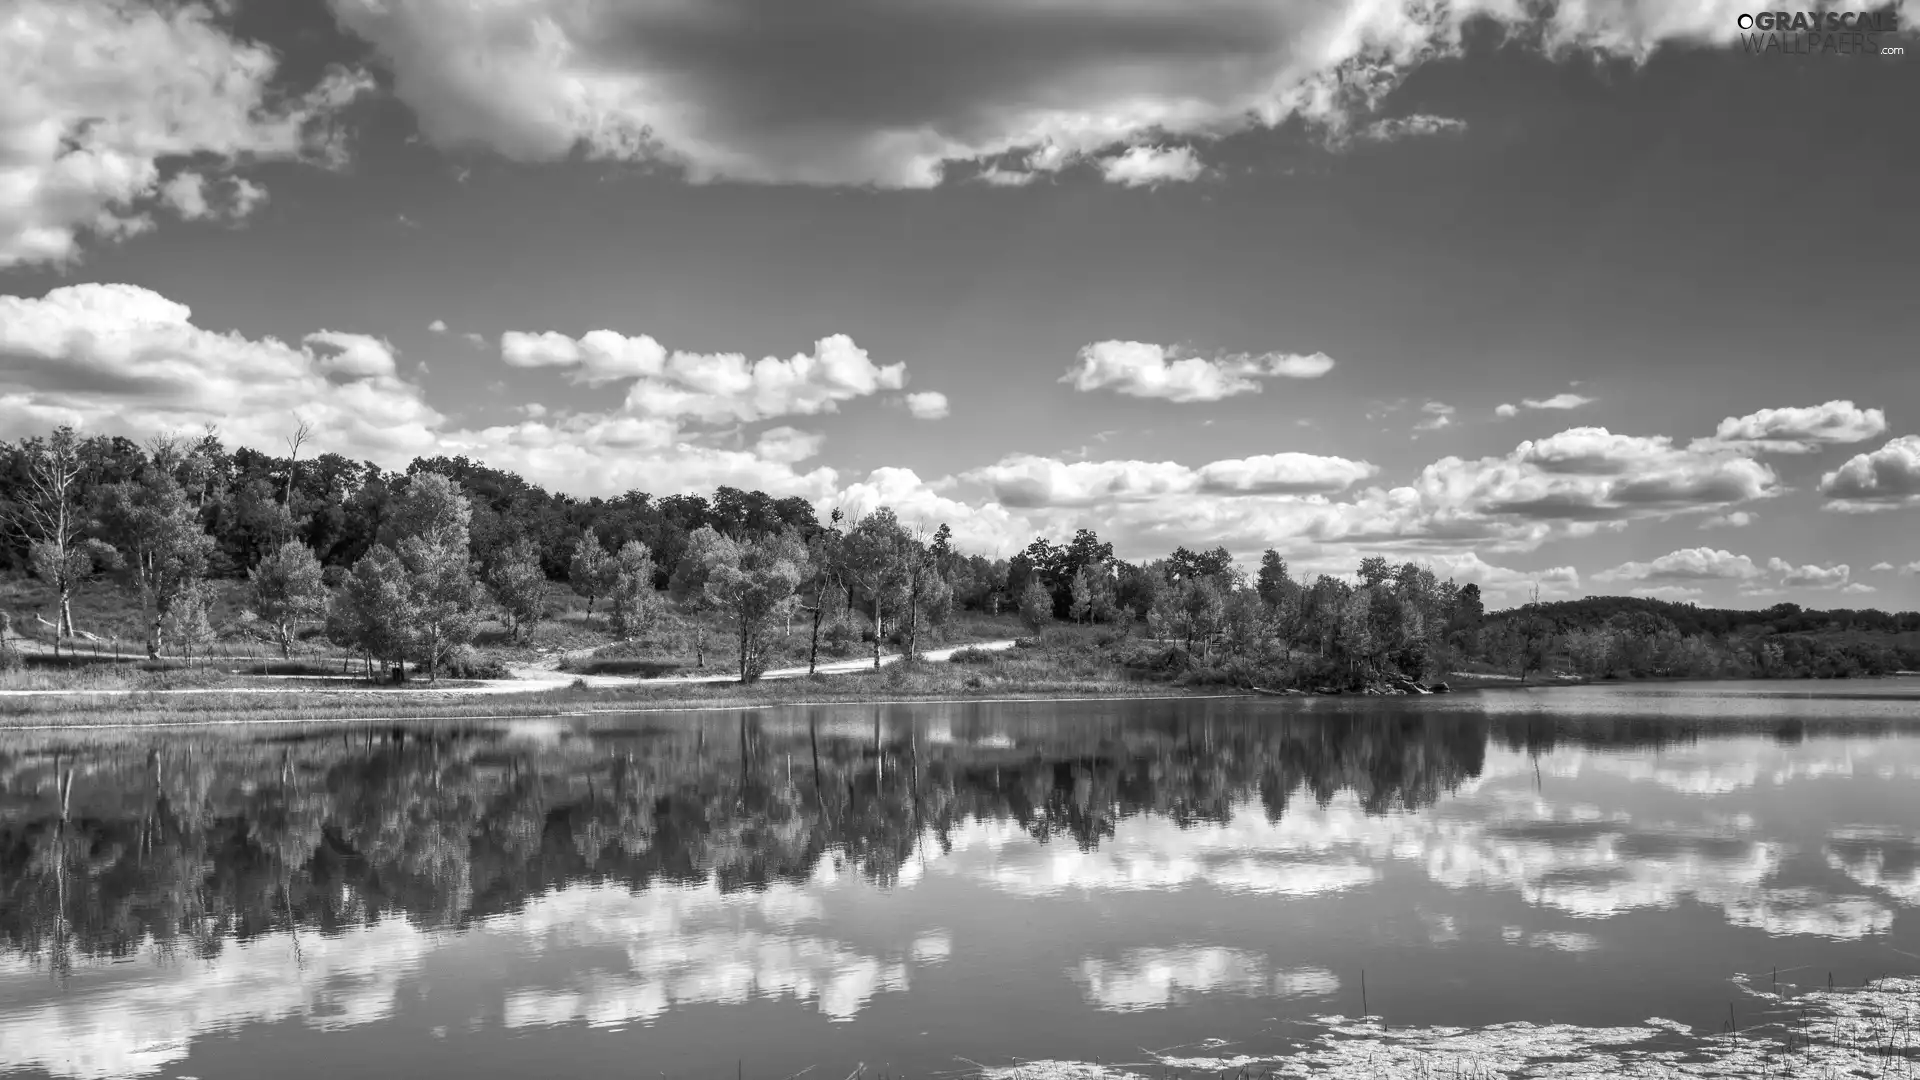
point(1593, 611)
point(1633, 636)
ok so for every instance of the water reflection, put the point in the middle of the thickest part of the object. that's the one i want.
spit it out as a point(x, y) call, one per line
point(1172, 864)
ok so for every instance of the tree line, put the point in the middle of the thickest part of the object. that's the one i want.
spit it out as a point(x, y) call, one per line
point(402, 568)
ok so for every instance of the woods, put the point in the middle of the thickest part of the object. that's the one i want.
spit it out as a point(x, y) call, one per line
point(403, 569)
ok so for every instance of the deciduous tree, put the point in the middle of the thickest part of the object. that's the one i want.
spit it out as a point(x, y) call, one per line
point(285, 590)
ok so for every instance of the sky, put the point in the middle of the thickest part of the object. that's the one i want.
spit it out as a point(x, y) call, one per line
point(1588, 297)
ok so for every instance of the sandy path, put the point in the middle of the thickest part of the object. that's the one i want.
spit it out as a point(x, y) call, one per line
point(528, 679)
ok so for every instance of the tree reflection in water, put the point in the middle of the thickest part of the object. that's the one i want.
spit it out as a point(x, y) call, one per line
point(182, 844)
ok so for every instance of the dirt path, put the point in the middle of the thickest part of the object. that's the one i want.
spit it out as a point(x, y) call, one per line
point(527, 679)
point(546, 676)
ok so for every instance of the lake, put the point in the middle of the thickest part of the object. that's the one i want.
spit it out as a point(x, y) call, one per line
point(956, 889)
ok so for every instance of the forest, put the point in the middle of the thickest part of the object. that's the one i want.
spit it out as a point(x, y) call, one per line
point(200, 545)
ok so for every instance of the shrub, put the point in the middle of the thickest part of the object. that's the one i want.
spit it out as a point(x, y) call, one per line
point(971, 655)
point(466, 664)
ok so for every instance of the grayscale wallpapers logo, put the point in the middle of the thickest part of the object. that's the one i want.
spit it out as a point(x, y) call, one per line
point(1805, 33)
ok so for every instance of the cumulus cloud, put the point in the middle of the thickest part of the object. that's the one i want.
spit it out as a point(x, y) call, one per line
point(1581, 477)
point(1438, 415)
point(1885, 479)
point(1392, 128)
point(101, 101)
point(929, 405)
point(1737, 519)
point(1809, 576)
point(1558, 401)
point(1911, 569)
point(788, 444)
point(1028, 481)
point(726, 98)
point(709, 387)
point(1857, 587)
point(594, 358)
point(124, 360)
point(1688, 564)
point(1506, 410)
point(1799, 430)
point(437, 326)
point(1703, 564)
point(1149, 166)
point(1142, 370)
point(1881, 567)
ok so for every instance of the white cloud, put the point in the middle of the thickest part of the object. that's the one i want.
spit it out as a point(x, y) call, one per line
point(1799, 430)
point(1885, 479)
point(958, 82)
point(1688, 564)
point(438, 326)
point(1558, 401)
point(1149, 166)
point(124, 360)
point(789, 445)
point(1139, 369)
point(600, 356)
point(1027, 481)
point(1881, 567)
point(195, 198)
point(1289, 473)
point(1737, 519)
point(726, 386)
point(1858, 587)
point(1809, 576)
point(121, 358)
point(1439, 415)
point(709, 387)
point(1393, 128)
point(1910, 569)
point(1506, 411)
point(98, 99)
point(929, 405)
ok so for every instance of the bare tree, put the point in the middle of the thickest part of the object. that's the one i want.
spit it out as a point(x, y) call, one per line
point(302, 431)
point(48, 515)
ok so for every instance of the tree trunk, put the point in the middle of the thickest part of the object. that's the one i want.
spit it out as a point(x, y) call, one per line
point(913, 624)
point(153, 635)
point(700, 644)
point(876, 634)
point(286, 643)
point(813, 650)
point(66, 611)
point(743, 668)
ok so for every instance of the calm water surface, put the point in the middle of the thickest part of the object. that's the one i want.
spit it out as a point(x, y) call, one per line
point(750, 894)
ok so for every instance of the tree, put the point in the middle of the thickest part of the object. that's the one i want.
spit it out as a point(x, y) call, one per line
point(688, 586)
point(588, 571)
point(1274, 582)
point(1093, 594)
point(285, 590)
point(519, 587)
point(630, 592)
point(373, 611)
point(430, 522)
point(189, 620)
point(874, 564)
point(752, 583)
point(163, 549)
point(821, 584)
point(1036, 605)
point(48, 514)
